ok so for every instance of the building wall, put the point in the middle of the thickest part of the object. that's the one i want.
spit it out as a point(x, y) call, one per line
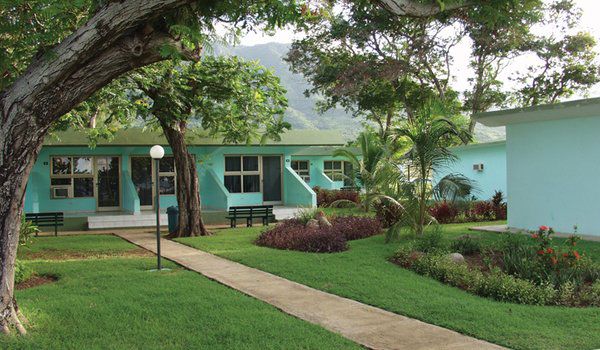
point(554, 175)
point(492, 178)
point(211, 167)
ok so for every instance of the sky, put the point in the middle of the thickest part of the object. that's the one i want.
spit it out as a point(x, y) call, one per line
point(589, 21)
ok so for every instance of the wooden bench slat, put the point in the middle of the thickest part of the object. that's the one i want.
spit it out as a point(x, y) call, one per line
point(250, 212)
point(48, 219)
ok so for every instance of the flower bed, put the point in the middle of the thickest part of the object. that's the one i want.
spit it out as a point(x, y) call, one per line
point(525, 270)
point(326, 197)
point(294, 234)
point(470, 211)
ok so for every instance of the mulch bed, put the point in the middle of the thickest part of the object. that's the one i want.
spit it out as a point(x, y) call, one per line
point(36, 280)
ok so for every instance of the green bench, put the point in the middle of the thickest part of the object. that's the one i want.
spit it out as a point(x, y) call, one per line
point(250, 212)
point(46, 220)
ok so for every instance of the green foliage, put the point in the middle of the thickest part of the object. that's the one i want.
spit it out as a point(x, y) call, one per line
point(27, 231)
point(304, 215)
point(431, 241)
point(226, 96)
point(495, 284)
point(454, 187)
point(567, 66)
point(466, 245)
point(22, 272)
point(428, 135)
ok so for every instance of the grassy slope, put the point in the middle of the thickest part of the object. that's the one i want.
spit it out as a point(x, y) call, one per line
point(117, 303)
point(363, 273)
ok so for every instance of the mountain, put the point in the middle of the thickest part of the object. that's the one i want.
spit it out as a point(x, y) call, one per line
point(301, 112)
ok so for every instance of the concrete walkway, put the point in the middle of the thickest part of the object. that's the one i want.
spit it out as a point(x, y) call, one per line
point(367, 325)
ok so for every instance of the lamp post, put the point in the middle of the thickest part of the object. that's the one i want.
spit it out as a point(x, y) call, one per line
point(157, 152)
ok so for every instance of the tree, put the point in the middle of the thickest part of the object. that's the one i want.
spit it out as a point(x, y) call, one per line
point(377, 67)
point(383, 68)
point(429, 134)
point(230, 98)
point(368, 167)
point(56, 54)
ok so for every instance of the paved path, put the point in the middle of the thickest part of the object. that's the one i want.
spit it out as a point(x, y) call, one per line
point(367, 325)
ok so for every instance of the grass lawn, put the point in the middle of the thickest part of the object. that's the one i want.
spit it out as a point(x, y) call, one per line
point(117, 303)
point(80, 246)
point(363, 273)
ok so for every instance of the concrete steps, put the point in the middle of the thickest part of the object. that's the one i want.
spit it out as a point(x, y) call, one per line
point(124, 221)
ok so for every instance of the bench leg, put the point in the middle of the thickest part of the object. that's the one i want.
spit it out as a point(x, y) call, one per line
point(232, 223)
point(265, 221)
point(55, 230)
point(249, 222)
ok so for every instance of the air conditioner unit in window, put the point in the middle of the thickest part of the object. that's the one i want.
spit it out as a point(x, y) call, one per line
point(59, 192)
point(478, 167)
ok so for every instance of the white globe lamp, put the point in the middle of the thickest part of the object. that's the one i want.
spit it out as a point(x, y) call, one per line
point(157, 152)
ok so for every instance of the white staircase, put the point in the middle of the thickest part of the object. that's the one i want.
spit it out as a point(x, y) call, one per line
point(125, 220)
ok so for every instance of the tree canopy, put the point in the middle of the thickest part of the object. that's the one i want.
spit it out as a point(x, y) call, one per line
point(383, 68)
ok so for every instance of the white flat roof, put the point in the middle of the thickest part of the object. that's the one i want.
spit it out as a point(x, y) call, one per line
point(589, 107)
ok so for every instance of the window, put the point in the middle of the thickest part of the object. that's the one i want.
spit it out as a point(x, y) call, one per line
point(166, 175)
point(333, 169)
point(242, 174)
point(71, 177)
point(338, 170)
point(302, 168)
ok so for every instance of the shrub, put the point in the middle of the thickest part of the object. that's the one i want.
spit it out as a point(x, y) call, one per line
point(22, 272)
point(484, 209)
point(356, 227)
point(431, 241)
point(326, 197)
point(499, 206)
point(304, 215)
point(443, 212)
point(27, 230)
point(388, 213)
point(293, 235)
point(495, 284)
point(466, 245)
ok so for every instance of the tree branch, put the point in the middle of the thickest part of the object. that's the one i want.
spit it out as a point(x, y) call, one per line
point(415, 8)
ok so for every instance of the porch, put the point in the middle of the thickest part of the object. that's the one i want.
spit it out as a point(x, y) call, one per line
point(119, 219)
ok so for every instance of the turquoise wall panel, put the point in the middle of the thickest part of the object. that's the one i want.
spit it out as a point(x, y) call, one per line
point(210, 164)
point(317, 177)
point(493, 158)
point(553, 171)
point(297, 192)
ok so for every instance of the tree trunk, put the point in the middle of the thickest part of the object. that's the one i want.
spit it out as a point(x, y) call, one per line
point(117, 39)
point(188, 189)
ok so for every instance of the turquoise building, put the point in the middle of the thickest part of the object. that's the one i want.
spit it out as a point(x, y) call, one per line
point(553, 165)
point(483, 163)
point(117, 175)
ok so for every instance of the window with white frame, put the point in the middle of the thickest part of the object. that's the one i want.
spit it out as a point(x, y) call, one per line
point(166, 175)
point(242, 174)
point(71, 177)
point(334, 170)
point(302, 168)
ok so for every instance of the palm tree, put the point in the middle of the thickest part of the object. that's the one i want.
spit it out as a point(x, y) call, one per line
point(366, 166)
point(429, 135)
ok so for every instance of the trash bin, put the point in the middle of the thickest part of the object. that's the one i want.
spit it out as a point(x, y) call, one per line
point(173, 215)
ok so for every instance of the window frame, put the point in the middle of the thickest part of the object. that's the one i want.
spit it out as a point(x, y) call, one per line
point(305, 177)
point(241, 173)
point(331, 172)
point(71, 176)
point(167, 174)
